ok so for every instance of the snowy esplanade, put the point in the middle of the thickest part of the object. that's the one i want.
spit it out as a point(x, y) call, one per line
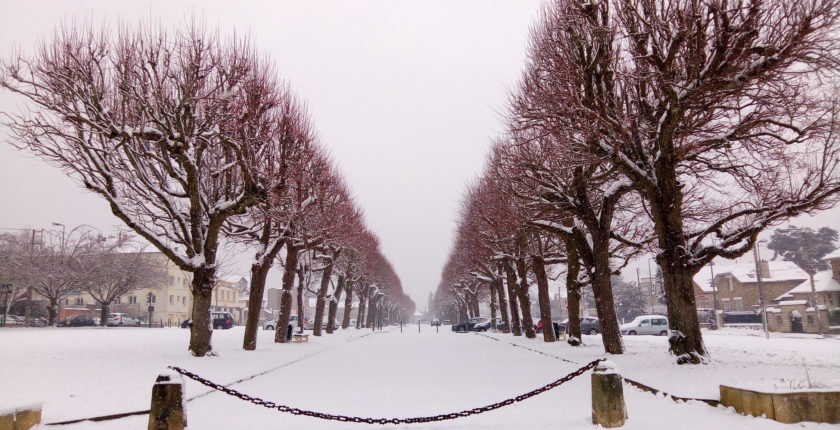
point(329, 214)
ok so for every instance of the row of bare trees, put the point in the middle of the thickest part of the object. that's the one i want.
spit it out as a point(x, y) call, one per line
point(682, 128)
point(192, 138)
point(62, 264)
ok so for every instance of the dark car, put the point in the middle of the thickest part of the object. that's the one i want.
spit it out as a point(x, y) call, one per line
point(470, 324)
point(78, 321)
point(222, 320)
point(588, 325)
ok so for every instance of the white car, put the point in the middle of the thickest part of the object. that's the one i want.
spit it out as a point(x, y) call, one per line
point(121, 319)
point(647, 324)
point(271, 324)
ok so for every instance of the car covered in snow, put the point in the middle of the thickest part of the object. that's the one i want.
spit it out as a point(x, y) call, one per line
point(647, 324)
point(435, 322)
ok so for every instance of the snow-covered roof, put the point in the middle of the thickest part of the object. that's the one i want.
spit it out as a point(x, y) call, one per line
point(823, 282)
point(792, 302)
point(313, 301)
point(745, 273)
point(833, 255)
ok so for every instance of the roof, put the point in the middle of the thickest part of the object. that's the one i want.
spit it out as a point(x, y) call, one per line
point(823, 282)
point(793, 302)
point(312, 301)
point(833, 255)
point(780, 271)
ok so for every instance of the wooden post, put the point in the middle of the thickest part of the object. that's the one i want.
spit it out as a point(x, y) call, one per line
point(167, 411)
point(608, 408)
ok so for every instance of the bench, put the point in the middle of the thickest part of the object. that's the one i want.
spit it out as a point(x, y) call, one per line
point(299, 338)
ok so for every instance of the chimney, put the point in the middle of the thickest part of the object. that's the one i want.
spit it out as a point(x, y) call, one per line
point(765, 269)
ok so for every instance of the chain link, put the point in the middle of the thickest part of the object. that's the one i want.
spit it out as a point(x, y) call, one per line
point(344, 418)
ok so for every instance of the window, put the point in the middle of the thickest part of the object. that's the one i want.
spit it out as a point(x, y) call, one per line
point(171, 299)
point(644, 323)
point(659, 321)
point(118, 300)
point(132, 300)
point(185, 299)
point(730, 287)
point(739, 304)
point(726, 305)
point(150, 298)
point(810, 320)
point(779, 319)
point(80, 301)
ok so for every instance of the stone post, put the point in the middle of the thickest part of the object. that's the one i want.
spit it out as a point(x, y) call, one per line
point(167, 411)
point(608, 408)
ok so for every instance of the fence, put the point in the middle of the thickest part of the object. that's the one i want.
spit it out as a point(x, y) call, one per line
point(608, 407)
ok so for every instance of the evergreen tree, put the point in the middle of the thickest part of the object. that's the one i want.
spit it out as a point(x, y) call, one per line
point(803, 246)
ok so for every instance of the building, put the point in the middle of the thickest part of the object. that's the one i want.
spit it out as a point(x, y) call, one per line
point(806, 307)
point(736, 285)
point(227, 298)
point(169, 304)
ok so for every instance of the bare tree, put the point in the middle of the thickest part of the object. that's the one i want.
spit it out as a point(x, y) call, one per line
point(722, 116)
point(168, 128)
point(107, 274)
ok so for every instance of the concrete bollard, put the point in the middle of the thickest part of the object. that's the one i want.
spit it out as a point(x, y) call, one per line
point(167, 411)
point(21, 418)
point(608, 408)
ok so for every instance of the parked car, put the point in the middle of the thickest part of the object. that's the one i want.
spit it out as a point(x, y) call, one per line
point(435, 322)
point(483, 325)
point(588, 325)
point(469, 325)
point(271, 325)
point(222, 320)
point(78, 321)
point(646, 324)
point(122, 319)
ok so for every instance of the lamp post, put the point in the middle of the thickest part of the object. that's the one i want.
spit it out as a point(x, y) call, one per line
point(761, 301)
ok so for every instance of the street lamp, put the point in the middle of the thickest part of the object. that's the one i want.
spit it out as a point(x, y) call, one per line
point(63, 234)
point(760, 288)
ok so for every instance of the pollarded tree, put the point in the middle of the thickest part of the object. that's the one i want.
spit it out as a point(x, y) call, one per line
point(721, 115)
point(168, 128)
point(108, 271)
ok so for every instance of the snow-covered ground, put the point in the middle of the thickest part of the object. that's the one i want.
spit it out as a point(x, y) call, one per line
point(86, 372)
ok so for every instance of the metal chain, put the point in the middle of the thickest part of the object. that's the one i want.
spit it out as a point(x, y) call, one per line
point(343, 418)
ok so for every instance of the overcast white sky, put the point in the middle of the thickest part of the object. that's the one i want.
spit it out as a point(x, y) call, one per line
point(405, 95)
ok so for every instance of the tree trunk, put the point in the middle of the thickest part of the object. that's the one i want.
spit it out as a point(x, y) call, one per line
point(604, 303)
point(301, 311)
point(27, 311)
point(525, 299)
point(259, 274)
point(515, 325)
point(286, 295)
point(538, 266)
point(360, 315)
point(686, 341)
point(499, 286)
point(348, 306)
point(103, 313)
point(52, 312)
point(371, 313)
point(492, 290)
point(573, 294)
point(321, 299)
point(203, 281)
point(333, 307)
point(475, 306)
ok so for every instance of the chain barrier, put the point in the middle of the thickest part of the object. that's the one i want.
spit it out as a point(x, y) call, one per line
point(344, 418)
point(632, 382)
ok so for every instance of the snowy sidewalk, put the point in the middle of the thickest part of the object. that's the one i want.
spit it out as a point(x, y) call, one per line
point(386, 374)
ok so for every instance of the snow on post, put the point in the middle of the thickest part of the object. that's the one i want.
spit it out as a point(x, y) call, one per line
point(608, 409)
point(167, 410)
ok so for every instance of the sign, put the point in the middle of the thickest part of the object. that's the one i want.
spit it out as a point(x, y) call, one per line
point(5, 288)
point(151, 308)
